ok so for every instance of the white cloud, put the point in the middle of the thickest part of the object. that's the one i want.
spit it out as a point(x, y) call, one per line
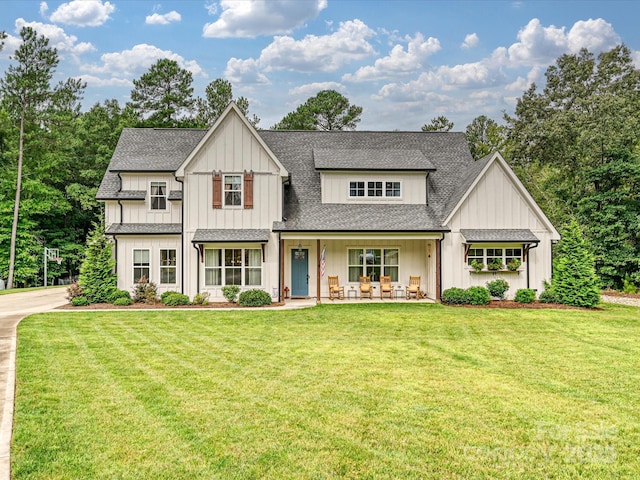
point(57, 37)
point(635, 55)
point(326, 53)
point(312, 89)
point(245, 71)
point(134, 62)
point(538, 45)
point(167, 18)
point(595, 35)
point(44, 8)
point(83, 13)
point(399, 61)
point(470, 41)
point(94, 81)
point(252, 18)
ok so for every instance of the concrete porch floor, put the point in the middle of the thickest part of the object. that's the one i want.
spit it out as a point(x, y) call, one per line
point(311, 301)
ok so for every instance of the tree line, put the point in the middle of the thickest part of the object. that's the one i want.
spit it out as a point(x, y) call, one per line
point(575, 144)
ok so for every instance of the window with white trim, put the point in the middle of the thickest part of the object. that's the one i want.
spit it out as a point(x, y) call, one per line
point(232, 192)
point(141, 264)
point(373, 262)
point(488, 255)
point(233, 266)
point(374, 189)
point(158, 196)
point(168, 266)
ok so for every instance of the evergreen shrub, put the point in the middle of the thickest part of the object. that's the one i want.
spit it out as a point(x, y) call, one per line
point(230, 292)
point(497, 288)
point(118, 294)
point(254, 298)
point(201, 298)
point(525, 295)
point(478, 295)
point(80, 301)
point(455, 296)
point(122, 301)
point(97, 278)
point(174, 299)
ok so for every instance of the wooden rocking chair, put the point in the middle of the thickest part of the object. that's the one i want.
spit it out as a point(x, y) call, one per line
point(385, 287)
point(414, 288)
point(365, 287)
point(335, 289)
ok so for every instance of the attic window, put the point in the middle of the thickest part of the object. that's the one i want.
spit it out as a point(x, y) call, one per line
point(374, 189)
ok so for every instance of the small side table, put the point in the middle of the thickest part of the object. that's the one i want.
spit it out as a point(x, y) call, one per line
point(351, 291)
point(398, 292)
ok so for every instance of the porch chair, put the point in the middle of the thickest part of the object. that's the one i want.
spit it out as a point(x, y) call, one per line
point(413, 288)
point(335, 289)
point(365, 287)
point(385, 286)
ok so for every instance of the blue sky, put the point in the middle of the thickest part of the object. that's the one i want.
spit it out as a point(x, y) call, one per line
point(404, 62)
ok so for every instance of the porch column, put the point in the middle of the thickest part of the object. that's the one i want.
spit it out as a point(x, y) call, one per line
point(438, 269)
point(318, 270)
point(281, 293)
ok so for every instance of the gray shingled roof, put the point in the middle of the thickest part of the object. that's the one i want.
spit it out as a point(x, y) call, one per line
point(154, 149)
point(447, 152)
point(521, 235)
point(144, 229)
point(175, 195)
point(301, 152)
point(230, 235)
point(370, 159)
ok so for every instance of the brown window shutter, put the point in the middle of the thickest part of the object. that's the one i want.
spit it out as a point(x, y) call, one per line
point(248, 190)
point(217, 190)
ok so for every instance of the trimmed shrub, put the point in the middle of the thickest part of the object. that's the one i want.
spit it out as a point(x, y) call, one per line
point(547, 296)
point(254, 298)
point(201, 298)
point(525, 295)
point(122, 301)
point(118, 294)
point(497, 288)
point(145, 291)
point(74, 290)
point(455, 296)
point(478, 295)
point(514, 264)
point(174, 299)
point(80, 301)
point(166, 294)
point(230, 292)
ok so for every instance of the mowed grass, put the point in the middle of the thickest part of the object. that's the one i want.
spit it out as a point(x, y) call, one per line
point(337, 391)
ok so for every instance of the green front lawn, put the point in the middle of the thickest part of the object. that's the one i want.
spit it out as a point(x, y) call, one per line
point(347, 391)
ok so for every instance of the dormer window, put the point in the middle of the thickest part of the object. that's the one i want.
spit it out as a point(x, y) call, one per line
point(158, 195)
point(374, 189)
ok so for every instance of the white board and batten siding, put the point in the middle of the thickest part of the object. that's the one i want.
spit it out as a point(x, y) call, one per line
point(232, 148)
point(497, 201)
point(140, 212)
point(126, 244)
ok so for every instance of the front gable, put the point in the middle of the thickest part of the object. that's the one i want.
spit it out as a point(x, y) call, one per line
point(231, 145)
point(497, 199)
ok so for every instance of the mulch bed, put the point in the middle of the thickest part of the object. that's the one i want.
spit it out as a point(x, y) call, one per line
point(156, 306)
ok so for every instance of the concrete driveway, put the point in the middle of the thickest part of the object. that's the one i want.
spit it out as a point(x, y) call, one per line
point(13, 308)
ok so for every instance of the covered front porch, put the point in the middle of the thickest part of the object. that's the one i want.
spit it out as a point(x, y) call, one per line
point(308, 260)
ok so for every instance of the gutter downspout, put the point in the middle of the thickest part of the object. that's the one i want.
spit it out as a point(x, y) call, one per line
point(280, 298)
point(529, 261)
point(439, 267)
point(197, 269)
point(182, 238)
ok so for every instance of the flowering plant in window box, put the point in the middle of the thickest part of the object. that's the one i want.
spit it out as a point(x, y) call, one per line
point(477, 265)
point(514, 264)
point(495, 264)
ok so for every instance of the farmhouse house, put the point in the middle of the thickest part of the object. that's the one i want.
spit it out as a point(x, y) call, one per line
point(194, 210)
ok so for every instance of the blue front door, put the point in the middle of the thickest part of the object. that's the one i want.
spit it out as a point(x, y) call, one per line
point(299, 273)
